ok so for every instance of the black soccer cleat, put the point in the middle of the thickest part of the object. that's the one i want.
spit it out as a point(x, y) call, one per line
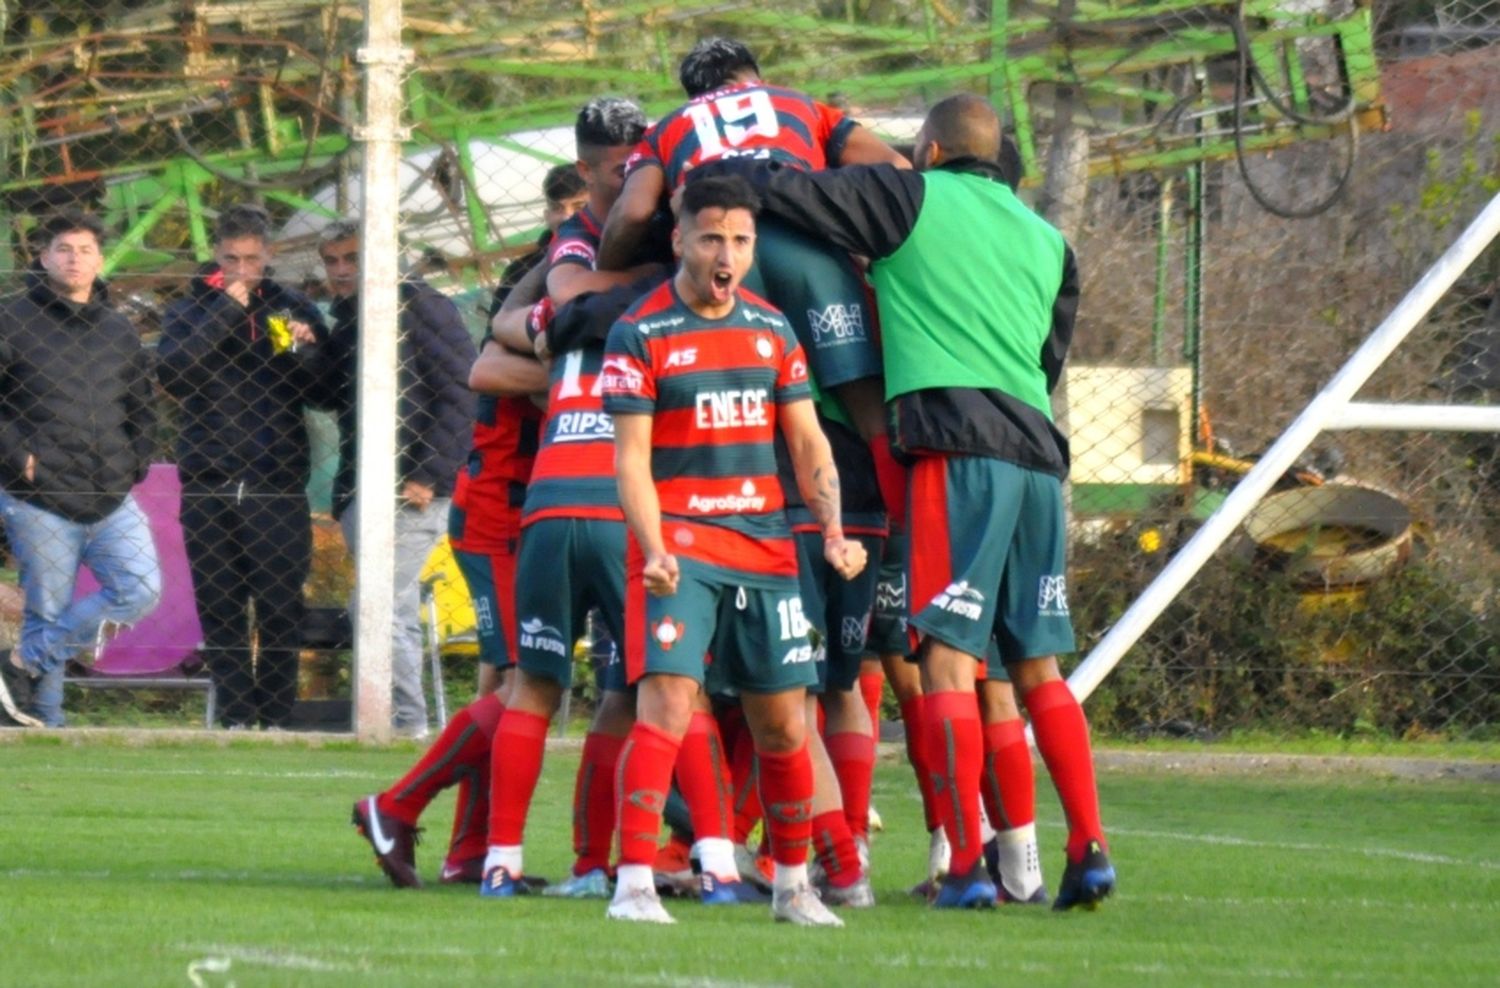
point(1086, 882)
point(395, 843)
point(15, 694)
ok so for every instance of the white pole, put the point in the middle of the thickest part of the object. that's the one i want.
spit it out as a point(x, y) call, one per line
point(383, 58)
point(1279, 458)
point(1420, 418)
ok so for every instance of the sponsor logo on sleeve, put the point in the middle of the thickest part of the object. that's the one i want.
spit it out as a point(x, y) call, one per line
point(619, 376)
point(574, 250)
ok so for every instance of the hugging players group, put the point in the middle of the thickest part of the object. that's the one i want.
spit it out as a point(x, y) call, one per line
point(760, 461)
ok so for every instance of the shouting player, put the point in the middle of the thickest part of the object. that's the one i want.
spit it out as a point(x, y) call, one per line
point(699, 376)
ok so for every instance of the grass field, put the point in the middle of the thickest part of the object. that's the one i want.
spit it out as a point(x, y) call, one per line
point(192, 863)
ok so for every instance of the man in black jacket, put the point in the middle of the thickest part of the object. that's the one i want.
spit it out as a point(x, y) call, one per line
point(235, 353)
point(75, 435)
point(435, 411)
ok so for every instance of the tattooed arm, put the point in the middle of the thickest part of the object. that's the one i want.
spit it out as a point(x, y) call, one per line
point(818, 481)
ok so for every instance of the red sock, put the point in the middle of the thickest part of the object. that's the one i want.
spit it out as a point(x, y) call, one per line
point(786, 791)
point(890, 477)
point(461, 748)
point(1009, 782)
point(872, 689)
point(955, 754)
point(642, 776)
point(745, 784)
point(853, 757)
point(1062, 736)
point(834, 845)
point(703, 778)
point(471, 813)
point(594, 802)
point(916, 754)
point(515, 765)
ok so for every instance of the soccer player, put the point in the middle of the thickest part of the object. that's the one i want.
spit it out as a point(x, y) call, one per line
point(699, 376)
point(977, 297)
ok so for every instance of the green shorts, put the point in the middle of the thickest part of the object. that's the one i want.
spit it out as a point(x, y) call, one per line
point(491, 579)
point(571, 565)
point(821, 293)
point(838, 608)
point(989, 557)
point(887, 634)
point(755, 637)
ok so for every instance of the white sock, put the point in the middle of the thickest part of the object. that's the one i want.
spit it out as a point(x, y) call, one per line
point(789, 876)
point(716, 857)
point(507, 856)
point(630, 877)
point(1020, 861)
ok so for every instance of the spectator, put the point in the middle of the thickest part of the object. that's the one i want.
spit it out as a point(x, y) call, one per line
point(235, 353)
point(434, 409)
point(75, 435)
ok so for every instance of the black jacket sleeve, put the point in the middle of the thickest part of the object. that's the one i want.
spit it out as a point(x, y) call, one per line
point(865, 209)
point(194, 339)
point(587, 318)
point(442, 409)
point(140, 414)
point(1064, 314)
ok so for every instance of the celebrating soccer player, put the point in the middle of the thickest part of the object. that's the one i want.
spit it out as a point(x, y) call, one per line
point(698, 376)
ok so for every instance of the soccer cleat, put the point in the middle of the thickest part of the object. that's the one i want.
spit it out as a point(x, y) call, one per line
point(715, 891)
point(856, 895)
point(972, 890)
point(469, 871)
point(757, 869)
point(15, 694)
point(801, 906)
point(873, 820)
point(639, 905)
point(394, 842)
point(673, 869)
point(592, 884)
point(1086, 882)
point(1037, 898)
point(499, 883)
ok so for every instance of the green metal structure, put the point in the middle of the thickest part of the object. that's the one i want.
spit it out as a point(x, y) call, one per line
point(157, 112)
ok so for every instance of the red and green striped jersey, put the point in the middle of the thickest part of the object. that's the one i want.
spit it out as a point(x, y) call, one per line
point(491, 485)
point(574, 475)
point(751, 119)
point(713, 387)
point(577, 240)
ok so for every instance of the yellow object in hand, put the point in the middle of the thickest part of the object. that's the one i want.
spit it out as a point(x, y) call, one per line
point(279, 329)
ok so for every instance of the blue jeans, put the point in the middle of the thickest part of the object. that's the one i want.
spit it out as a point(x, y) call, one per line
point(49, 549)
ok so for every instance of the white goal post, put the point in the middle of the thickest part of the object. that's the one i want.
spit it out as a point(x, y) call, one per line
point(1331, 409)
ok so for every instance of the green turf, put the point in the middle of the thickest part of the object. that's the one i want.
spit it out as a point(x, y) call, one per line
point(134, 865)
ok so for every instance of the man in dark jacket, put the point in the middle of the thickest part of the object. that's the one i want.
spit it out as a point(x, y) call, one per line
point(235, 353)
point(435, 411)
point(75, 435)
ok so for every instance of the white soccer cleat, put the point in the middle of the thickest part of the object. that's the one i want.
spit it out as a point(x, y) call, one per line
point(939, 855)
point(876, 824)
point(639, 905)
point(801, 906)
point(856, 896)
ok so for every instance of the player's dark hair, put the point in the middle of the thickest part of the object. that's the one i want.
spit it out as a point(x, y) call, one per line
point(562, 182)
point(243, 220)
point(965, 126)
point(343, 228)
point(713, 64)
point(724, 192)
point(68, 221)
point(607, 122)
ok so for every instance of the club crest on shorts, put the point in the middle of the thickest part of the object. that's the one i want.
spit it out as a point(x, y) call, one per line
point(668, 633)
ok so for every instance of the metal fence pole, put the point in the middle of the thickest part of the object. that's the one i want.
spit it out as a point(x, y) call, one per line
point(1323, 410)
point(383, 59)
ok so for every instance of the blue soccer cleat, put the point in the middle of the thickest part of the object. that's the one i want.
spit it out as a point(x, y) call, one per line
point(499, 883)
point(714, 891)
point(1086, 882)
point(592, 884)
point(971, 890)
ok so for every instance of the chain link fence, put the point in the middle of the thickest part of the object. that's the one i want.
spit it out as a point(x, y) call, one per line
point(1249, 187)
